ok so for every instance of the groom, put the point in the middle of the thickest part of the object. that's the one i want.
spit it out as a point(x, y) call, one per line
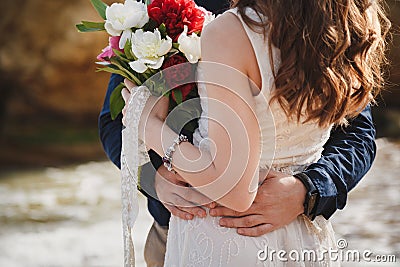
point(320, 190)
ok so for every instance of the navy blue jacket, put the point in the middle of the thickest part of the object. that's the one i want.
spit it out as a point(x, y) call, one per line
point(347, 155)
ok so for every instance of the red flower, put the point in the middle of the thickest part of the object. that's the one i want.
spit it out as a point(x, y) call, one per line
point(175, 14)
point(179, 75)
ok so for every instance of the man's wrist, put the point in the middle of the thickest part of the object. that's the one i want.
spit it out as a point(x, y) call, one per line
point(311, 197)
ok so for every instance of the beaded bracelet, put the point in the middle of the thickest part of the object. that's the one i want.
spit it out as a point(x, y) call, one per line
point(167, 159)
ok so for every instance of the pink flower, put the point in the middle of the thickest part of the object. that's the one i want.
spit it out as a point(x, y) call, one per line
point(108, 52)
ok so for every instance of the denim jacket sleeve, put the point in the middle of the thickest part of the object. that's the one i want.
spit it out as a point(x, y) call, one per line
point(110, 130)
point(346, 158)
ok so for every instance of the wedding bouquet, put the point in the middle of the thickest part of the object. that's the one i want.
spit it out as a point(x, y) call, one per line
point(157, 45)
point(154, 44)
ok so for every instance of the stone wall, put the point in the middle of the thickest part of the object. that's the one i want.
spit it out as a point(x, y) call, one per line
point(46, 67)
point(50, 94)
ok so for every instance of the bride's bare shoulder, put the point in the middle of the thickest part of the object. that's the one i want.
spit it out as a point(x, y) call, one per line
point(226, 36)
point(224, 26)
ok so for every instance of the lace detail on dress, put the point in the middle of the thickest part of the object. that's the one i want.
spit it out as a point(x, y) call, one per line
point(133, 155)
point(200, 135)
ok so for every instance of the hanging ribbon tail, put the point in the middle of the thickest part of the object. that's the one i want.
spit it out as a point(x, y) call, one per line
point(133, 155)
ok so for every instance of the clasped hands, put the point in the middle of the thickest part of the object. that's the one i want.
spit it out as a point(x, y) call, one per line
point(278, 202)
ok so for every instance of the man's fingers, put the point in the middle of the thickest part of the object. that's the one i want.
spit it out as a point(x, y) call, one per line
point(173, 198)
point(245, 221)
point(129, 84)
point(258, 230)
point(186, 213)
point(178, 212)
point(211, 205)
point(195, 211)
point(192, 195)
point(174, 194)
point(125, 94)
point(225, 212)
point(174, 186)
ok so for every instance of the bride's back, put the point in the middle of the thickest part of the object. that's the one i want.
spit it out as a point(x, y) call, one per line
point(284, 141)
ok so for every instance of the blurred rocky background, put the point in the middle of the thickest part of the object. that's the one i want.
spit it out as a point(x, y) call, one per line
point(50, 94)
point(59, 208)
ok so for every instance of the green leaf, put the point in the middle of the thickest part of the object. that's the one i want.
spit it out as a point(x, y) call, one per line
point(117, 103)
point(147, 2)
point(115, 71)
point(121, 56)
point(150, 26)
point(178, 96)
point(100, 7)
point(119, 53)
point(83, 28)
point(128, 51)
point(163, 30)
point(94, 25)
point(125, 69)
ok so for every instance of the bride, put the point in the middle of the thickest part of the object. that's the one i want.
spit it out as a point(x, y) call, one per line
point(275, 77)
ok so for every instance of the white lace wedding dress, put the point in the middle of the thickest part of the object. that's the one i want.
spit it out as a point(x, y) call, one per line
point(202, 242)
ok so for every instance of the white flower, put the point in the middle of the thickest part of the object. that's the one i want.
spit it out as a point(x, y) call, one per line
point(149, 49)
point(122, 17)
point(190, 45)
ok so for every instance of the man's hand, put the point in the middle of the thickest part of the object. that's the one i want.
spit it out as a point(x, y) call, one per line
point(178, 197)
point(278, 202)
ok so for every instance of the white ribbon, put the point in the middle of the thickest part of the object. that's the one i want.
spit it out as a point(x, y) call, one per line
point(133, 155)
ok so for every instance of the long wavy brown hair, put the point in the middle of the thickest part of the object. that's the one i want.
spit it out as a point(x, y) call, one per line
point(332, 53)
